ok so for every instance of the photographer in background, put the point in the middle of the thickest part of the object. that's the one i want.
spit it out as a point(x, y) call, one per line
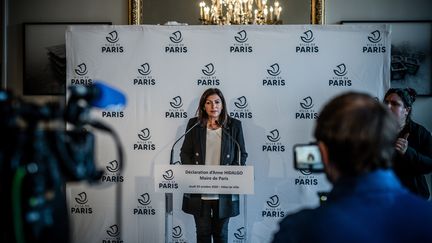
point(414, 144)
point(356, 136)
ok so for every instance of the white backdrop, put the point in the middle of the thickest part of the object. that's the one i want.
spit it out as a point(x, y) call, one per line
point(275, 80)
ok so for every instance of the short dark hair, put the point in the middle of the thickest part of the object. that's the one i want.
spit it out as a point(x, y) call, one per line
point(359, 133)
point(203, 116)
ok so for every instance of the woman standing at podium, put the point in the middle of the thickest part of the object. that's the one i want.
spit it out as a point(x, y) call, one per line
point(214, 139)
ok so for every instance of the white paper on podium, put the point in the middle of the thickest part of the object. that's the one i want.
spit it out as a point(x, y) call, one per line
point(204, 179)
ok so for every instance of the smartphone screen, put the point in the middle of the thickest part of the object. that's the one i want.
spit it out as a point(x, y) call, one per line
point(308, 156)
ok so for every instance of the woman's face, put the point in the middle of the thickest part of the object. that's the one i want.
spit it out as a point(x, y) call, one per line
point(397, 107)
point(213, 106)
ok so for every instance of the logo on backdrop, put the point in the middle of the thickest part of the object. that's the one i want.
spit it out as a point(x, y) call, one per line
point(274, 78)
point(272, 208)
point(307, 45)
point(144, 200)
point(375, 36)
point(113, 235)
point(144, 206)
point(273, 143)
point(306, 178)
point(176, 111)
point(241, 45)
point(241, 36)
point(80, 76)
point(240, 109)
point(144, 70)
point(340, 77)
point(112, 172)
point(81, 206)
point(273, 202)
point(82, 198)
point(239, 235)
point(209, 77)
point(176, 45)
point(274, 70)
point(306, 110)
point(113, 231)
point(177, 235)
point(305, 172)
point(143, 77)
point(177, 232)
point(209, 69)
point(340, 70)
point(168, 175)
point(81, 69)
point(176, 37)
point(112, 37)
point(144, 142)
point(112, 45)
point(169, 181)
point(115, 114)
point(374, 45)
point(274, 136)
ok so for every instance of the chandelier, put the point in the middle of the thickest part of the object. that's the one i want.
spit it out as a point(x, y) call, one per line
point(226, 12)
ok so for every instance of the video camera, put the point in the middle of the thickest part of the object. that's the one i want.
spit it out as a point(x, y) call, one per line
point(308, 157)
point(37, 160)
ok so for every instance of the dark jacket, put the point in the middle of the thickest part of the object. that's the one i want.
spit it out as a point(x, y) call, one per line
point(193, 153)
point(370, 208)
point(417, 161)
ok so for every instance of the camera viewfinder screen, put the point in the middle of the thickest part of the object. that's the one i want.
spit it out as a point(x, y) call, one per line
point(308, 157)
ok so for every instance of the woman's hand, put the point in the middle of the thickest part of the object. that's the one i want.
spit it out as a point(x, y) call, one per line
point(402, 144)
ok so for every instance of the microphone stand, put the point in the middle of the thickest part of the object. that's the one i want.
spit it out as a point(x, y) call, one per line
point(236, 143)
point(169, 196)
point(238, 161)
point(184, 134)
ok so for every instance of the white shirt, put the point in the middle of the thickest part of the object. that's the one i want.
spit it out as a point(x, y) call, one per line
point(212, 154)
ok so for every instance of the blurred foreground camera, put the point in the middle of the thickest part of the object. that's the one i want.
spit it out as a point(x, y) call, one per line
point(37, 160)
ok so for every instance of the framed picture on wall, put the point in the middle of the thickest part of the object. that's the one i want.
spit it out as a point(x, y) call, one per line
point(411, 54)
point(44, 57)
point(317, 15)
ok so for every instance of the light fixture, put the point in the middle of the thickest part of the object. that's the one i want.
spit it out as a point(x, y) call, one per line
point(226, 12)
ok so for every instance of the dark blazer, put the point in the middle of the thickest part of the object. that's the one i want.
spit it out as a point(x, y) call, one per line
point(193, 153)
point(417, 160)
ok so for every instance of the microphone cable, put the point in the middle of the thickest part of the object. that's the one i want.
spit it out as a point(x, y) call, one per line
point(119, 188)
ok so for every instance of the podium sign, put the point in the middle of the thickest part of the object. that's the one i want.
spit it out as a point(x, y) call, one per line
point(204, 179)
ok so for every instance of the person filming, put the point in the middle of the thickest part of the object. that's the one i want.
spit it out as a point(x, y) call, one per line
point(356, 135)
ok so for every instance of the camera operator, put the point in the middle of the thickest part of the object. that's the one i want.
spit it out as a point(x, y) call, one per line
point(356, 136)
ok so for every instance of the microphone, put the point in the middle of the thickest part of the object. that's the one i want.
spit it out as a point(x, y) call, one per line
point(184, 134)
point(224, 130)
point(82, 98)
point(100, 95)
point(169, 196)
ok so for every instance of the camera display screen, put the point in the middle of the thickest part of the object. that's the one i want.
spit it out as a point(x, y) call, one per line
point(307, 156)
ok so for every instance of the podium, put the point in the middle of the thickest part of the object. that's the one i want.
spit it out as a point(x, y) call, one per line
point(201, 179)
